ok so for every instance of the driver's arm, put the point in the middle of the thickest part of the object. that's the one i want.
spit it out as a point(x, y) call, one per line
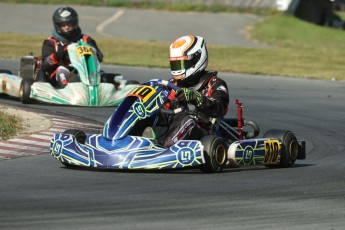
point(216, 105)
point(213, 103)
point(49, 55)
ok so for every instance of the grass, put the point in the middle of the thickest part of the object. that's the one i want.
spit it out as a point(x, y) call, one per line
point(9, 125)
point(156, 4)
point(296, 49)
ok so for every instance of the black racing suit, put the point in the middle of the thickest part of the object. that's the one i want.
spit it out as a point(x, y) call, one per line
point(55, 54)
point(215, 105)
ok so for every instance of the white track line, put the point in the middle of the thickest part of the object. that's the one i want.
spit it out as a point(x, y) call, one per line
point(102, 25)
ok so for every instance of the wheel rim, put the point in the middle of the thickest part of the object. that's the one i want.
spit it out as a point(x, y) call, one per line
point(293, 149)
point(21, 92)
point(220, 154)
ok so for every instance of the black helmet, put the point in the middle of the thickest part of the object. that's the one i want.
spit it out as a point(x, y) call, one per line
point(65, 15)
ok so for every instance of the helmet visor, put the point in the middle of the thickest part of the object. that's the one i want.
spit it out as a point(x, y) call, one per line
point(177, 65)
point(66, 26)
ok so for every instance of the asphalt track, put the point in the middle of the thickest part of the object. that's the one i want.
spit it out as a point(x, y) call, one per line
point(221, 29)
point(37, 192)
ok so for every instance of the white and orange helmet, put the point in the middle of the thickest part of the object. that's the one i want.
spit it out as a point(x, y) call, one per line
point(188, 57)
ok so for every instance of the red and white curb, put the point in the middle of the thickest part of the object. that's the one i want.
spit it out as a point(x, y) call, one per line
point(39, 143)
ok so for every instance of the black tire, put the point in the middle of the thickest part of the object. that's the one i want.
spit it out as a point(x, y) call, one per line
point(6, 71)
point(215, 153)
point(289, 146)
point(68, 165)
point(79, 135)
point(25, 90)
point(109, 77)
point(132, 82)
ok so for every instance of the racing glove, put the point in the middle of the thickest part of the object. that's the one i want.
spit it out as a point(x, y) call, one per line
point(185, 95)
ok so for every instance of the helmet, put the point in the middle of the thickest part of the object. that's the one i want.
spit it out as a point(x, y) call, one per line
point(188, 57)
point(65, 15)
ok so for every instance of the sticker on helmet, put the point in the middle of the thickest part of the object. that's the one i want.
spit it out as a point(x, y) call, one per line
point(65, 13)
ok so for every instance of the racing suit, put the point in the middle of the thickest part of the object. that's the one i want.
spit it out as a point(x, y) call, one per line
point(54, 54)
point(215, 104)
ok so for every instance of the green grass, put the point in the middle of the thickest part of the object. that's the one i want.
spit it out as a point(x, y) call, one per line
point(9, 125)
point(160, 5)
point(296, 49)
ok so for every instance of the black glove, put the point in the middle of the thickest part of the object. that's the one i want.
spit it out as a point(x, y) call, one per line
point(185, 95)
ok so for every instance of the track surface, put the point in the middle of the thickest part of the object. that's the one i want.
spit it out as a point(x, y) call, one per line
point(222, 29)
point(37, 192)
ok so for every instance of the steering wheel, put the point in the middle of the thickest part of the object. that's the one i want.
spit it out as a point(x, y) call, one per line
point(170, 85)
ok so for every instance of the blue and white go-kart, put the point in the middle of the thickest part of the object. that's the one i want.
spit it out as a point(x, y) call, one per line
point(121, 145)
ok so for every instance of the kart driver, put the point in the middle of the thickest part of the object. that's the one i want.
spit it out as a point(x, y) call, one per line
point(54, 50)
point(207, 92)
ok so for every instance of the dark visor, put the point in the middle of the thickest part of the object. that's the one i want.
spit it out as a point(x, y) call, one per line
point(177, 65)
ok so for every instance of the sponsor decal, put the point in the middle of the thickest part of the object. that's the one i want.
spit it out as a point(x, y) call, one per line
point(139, 110)
point(248, 154)
point(222, 88)
point(65, 13)
point(4, 83)
point(57, 148)
point(186, 156)
point(178, 58)
point(184, 130)
point(42, 94)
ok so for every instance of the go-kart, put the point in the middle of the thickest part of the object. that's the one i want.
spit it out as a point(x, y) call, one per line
point(231, 143)
point(88, 85)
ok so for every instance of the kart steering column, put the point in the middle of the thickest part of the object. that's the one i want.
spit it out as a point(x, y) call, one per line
point(239, 119)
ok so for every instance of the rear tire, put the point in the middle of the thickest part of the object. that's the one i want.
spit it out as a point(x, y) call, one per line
point(215, 153)
point(289, 146)
point(25, 90)
point(132, 82)
point(6, 71)
point(109, 77)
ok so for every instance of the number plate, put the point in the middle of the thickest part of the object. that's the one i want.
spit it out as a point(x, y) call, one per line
point(272, 149)
point(83, 50)
point(144, 92)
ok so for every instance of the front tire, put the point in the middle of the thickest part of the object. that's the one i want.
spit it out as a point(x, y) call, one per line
point(289, 146)
point(25, 90)
point(215, 153)
point(80, 137)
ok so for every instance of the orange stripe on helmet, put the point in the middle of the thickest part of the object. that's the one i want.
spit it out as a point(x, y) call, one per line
point(181, 41)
